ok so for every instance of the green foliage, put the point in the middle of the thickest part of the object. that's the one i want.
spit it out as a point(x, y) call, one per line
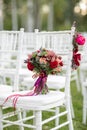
point(63, 14)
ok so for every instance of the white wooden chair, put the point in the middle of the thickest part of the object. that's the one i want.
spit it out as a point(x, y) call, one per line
point(9, 41)
point(10, 52)
point(42, 103)
point(27, 48)
point(84, 93)
point(83, 78)
point(47, 40)
point(83, 66)
point(53, 41)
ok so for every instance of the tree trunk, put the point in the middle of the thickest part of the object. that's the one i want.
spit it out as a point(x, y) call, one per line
point(14, 15)
point(1, 14)
point(50, 16)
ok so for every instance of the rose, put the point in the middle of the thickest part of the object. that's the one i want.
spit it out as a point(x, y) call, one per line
point(30, 66)
point(80, 39)
point(53, 64)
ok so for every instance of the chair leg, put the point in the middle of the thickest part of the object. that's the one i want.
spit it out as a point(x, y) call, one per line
point(70, 120)
point(1, 124)
point(69, 117)
point(20, 118)
point(38, 120)
point(24, 114)
point(84, 114)
point(34, 119)
point(72, 110)
point(84, 104)
point(57, 119)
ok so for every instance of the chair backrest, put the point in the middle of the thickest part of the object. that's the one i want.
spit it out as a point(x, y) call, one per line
point(56, 40)
point(28, 46)
point(29, 42)
point(61, 43)
point(10, 53)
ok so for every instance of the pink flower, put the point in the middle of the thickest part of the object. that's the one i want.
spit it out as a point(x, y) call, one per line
point(43, 60)
point(50, 53)
point(80, 39)
point(29, 56)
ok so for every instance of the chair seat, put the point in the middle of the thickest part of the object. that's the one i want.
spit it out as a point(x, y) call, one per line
point(42, 102)
point(5, 88)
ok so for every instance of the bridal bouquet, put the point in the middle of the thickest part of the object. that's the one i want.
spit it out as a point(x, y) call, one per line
point(43, 62)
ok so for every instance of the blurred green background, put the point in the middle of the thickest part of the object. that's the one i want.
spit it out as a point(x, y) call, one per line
point(46, 15)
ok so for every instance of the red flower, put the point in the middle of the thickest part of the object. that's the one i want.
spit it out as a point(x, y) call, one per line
point(53, 64)
point(77, 58)
point(61, 63)
point(30, 66)
point(80, 39)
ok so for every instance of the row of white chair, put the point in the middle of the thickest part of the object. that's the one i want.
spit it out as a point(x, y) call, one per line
point(31, 42)
point(10, 53)
point(46, 40)
point(39, 103)
point(83, 78)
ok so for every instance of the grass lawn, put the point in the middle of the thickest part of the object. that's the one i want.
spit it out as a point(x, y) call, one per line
point(77, 121)
point(77, 103)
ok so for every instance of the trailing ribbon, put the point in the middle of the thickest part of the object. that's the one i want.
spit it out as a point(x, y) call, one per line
point(39, 87)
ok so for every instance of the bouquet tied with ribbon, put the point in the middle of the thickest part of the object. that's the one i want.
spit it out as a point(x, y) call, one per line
point(43, 62)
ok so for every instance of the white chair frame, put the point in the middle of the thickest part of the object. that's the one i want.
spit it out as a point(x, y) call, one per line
point(10, 51)
point(39, 103)
point(83, 78)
